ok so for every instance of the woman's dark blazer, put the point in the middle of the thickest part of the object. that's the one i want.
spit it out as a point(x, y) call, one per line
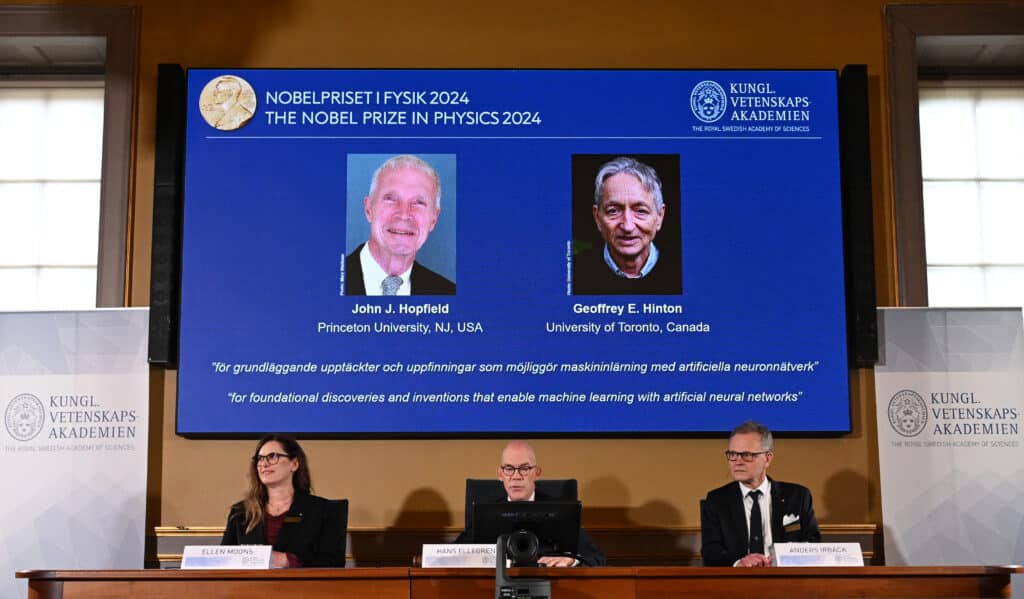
point(313, 531)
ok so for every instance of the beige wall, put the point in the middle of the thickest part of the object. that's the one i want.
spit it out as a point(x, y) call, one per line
point(651, 482)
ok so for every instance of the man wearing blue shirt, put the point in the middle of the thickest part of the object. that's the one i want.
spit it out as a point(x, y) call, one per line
point(628, 211)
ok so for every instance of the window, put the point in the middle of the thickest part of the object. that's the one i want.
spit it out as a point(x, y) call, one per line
point(50, 167)
point(98, 43)
point(926, 41)
point(972, 165)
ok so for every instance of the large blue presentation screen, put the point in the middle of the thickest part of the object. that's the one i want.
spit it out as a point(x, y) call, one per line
point(588, 252)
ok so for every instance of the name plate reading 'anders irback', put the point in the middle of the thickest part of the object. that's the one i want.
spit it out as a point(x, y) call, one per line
point(474, 555)
point(817, 554)
point(231, 557)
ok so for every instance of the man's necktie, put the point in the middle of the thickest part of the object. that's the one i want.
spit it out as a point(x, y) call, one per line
point(391, 284)
point(756, 528)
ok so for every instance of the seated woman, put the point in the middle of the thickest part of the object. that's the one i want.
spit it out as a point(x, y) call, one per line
point(279, 510)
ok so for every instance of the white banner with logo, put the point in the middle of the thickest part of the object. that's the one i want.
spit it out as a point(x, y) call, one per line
point(74, 397)
point(950, 400)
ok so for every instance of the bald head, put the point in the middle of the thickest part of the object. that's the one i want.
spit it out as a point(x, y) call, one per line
point(518, 470)
point(518, 449)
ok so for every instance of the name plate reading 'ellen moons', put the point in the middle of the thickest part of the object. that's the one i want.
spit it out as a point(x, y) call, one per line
point(228, 557)
point(817, 554)
point(474, 555)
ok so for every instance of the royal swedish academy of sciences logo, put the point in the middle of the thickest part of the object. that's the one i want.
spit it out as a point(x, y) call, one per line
point(708, 101)
point(24, 417)
point(908, 414)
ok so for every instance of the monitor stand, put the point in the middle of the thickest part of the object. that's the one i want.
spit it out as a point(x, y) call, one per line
point(516, 588)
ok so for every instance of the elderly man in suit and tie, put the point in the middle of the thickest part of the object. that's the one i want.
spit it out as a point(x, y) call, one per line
point(740, 521)
point(402, 208)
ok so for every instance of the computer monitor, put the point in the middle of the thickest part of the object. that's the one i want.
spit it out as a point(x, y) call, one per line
point(556, 523)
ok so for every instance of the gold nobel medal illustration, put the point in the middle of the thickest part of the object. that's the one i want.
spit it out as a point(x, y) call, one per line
point(227, 102)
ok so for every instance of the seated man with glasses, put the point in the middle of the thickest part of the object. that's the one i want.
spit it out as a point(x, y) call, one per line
point(518, 472)
point(740, 521)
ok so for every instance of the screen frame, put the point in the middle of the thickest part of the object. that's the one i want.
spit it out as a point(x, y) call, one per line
point(848, 266)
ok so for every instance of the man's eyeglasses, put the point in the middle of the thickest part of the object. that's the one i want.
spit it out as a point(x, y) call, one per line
point(746, 456)
point(509, 469)
point(270, 458)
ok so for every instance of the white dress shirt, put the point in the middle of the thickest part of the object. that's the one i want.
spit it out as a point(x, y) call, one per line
point(374, 275)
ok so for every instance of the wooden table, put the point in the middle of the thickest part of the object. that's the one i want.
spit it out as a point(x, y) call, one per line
point(946, 582)
point(308, 583)
point(785, 583)
point(566, 583)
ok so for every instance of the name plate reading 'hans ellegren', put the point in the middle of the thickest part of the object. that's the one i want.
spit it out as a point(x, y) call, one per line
point(234, 557)
point(817, 554)
point(473, 555)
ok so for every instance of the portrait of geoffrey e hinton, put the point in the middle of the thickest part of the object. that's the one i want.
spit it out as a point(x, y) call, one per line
point(400, 233)
point(626, 225)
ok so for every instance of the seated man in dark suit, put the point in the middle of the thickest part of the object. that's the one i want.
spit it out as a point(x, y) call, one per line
point(519, 471)
point(402, 207)
point(772, 511)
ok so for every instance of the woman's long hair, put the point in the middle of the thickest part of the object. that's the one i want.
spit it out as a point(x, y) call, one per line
point(255, 501)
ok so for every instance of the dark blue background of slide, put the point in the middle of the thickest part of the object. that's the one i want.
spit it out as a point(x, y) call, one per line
point(760, 215)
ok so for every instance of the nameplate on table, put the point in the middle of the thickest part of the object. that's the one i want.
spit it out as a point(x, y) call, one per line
point(817, 554)
point(226, 557)
point(474, 555)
